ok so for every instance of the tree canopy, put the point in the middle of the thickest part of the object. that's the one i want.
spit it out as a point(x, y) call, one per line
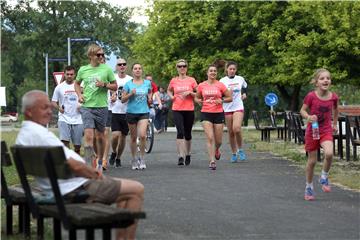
point(279, 44)
point(29, 29)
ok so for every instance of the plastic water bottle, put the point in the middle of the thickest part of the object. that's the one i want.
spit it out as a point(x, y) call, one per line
point(315, 130)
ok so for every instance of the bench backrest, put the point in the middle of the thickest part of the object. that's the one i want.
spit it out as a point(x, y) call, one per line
point(353, 127)
point(256, 119)
point(5, 162)
point(47, 162)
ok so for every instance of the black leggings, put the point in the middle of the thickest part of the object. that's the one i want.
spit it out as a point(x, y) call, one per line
point(184, 121)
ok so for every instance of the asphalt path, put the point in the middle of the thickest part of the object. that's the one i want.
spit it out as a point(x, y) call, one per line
point(261, 198)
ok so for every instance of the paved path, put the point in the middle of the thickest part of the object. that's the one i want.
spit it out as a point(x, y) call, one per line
point(258, 199)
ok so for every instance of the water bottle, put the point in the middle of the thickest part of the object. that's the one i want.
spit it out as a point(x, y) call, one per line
point(315, 130)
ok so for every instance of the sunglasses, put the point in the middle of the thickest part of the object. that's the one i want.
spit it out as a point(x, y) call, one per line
point(181, 66)
point(121, 64)
point(100, 55)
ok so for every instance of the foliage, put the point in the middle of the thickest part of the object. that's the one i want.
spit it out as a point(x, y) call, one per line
point(276, 44)
point(29, 29)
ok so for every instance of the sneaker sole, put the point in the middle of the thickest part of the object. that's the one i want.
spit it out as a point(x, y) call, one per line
point(309, 198)
point(326, 189)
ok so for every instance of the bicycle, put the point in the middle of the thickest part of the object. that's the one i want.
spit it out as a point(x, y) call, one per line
point(149, 137)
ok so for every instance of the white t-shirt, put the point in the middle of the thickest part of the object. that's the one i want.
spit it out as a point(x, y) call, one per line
point(118, 107)
point(33, 134)
point(65, 95)
point(235, 84)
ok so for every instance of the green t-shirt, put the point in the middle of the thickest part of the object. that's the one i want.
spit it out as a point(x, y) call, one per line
point(95, 96)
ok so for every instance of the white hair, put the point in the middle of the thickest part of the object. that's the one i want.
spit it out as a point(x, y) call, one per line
point(30, 98)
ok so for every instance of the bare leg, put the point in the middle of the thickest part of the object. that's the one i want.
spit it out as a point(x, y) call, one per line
point(142, 125)
point(106, 144)
point(115, 136)
point(209, 133)
point(237, 122)
point(310, 165)
point(231, 134)
point(66, 143)
point(218, 134)
point(180, 147)
point(100, 142)
point(89, 153)
point(133, 136)
point(77, 148)
point(121, 145)
point(131, 197)
point(328, 152)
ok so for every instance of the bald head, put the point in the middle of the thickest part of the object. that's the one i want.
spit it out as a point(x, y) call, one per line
point(36, 107)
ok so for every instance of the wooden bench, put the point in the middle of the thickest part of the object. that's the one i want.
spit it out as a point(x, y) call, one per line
point(13, 196)
point(352, 135)
point(50, 162)
point(265, 130)
point(280, 128)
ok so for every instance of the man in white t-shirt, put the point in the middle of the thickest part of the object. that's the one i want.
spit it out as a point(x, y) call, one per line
point(65, 100)
point(126, 193)
point(119, 126)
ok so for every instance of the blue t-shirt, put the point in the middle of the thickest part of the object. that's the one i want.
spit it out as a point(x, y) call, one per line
point(138, 103)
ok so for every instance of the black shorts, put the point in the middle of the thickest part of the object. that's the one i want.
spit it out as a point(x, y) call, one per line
point(215, 118)
point(119, 123)
point(133, 118)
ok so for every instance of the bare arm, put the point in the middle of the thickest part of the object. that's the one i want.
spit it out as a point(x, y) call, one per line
point(335, 117)
point(227, 96)
point(78, 92)
point(171, 94)
point(125, 96)
point(57, 106)
point(198, 98)
point(304, 113)
point(82, 170)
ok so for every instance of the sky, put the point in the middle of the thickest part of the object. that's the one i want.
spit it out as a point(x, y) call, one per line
point(138, 17)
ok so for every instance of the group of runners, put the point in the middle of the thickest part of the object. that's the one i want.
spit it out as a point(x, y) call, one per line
point(95, 100)
point(99, 99)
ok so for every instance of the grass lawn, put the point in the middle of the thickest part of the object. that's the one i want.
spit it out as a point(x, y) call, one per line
point(344, 174)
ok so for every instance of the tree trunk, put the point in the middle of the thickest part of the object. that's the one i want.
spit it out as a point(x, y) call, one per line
point(292, 99)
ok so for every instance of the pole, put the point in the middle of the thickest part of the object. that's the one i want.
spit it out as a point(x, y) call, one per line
point(69, 51)
point(47, 73)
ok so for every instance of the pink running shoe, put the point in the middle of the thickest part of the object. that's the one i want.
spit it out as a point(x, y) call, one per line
point(325, 186)
point(309, 194)
point(217, 154)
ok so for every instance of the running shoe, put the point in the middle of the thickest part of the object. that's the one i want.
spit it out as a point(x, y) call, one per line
point(117, 163)
point(241, 154)
point(112, 159)
point(134, 164)
point(309, 194)
point(233, 158)
point(187, 160)
point(104, 165)
point(142, 164)
point(212, 166)
point(217, 154)
point(181, 161)
point(325, 186)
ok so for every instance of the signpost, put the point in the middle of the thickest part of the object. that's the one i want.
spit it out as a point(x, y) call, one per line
point(47, 60)
point(271, 99)
point(69, 40)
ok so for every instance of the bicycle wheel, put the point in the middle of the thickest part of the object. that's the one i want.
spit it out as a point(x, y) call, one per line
point(149, 137)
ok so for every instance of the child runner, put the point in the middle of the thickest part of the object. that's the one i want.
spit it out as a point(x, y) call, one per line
point(211, 94)
point(318, 106)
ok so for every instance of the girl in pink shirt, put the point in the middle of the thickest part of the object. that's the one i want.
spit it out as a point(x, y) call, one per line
point(211, 94)
point(182, 92)
point(319, 106)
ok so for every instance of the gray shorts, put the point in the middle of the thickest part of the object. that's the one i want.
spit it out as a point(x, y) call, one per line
point(108, 119)
point(106, 190)
point(73, 132)
point(94, 118)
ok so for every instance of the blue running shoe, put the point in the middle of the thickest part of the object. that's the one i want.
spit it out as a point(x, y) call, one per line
point(325, 186)
point(233, 158)
point(241, 155)
point(309, 194)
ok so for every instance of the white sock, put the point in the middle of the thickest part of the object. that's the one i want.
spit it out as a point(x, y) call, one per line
point(324, 174)
point(309, 185)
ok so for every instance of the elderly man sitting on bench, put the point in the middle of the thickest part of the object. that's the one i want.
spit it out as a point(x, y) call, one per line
point(125, 193)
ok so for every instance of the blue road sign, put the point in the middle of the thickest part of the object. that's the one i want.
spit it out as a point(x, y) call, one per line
point(271, 99)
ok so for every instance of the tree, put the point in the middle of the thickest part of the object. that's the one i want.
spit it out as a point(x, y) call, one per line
point(277, 44)
point(28, 31)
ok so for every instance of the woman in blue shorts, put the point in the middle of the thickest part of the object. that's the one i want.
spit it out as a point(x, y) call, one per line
point(137, 92)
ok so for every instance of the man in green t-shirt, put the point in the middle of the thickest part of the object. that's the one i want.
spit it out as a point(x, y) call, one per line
point(97, 78)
